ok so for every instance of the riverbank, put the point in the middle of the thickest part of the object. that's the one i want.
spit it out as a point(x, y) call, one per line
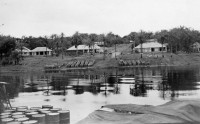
point(38, 63)
point(173, 112)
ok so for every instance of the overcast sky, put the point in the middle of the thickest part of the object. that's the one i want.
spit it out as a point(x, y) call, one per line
point(46, 17)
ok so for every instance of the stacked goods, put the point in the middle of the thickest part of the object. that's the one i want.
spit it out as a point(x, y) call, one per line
point(35, 115)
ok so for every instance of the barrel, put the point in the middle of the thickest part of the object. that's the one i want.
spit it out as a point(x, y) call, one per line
point(40, 118)
point(5, 116)
point(47, 106)
point(45, 112)
point(29, 111)
point(22, 107)
point(17, 113)
point(21, 110)
point(35, 108)
point(30, 114)
point(10, 110)
point(53, 118)
point(22, 119)
point(55, 110)
point(30, 122)
point(14, 108)
point(18, 116)
point(5, 113)
point(64, 114)
point(14, 122)
point(6, 120)
point(40, 110)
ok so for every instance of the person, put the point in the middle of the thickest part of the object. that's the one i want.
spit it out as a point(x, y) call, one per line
point(3, 96)
point(2, 107)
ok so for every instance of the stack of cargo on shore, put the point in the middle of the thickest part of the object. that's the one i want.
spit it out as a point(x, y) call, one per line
point(79, 63)
point(35, 115)
point(132, 62)
point(72, 64)
point(51, 67)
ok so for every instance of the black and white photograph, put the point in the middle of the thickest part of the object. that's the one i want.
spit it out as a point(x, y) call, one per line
point(99, 61)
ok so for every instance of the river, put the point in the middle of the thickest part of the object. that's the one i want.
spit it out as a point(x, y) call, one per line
point(83, 91)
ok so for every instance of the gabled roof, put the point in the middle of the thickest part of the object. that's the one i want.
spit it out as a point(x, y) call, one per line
point(40, 49)
point(24, 49)
point(84, 47)
point(196, 45)
point(151, 45)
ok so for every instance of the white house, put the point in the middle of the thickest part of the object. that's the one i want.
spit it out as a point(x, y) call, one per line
point(85, 49)
point(151, 45)
point(41, 51)
point(196, 47)
point(24, 51)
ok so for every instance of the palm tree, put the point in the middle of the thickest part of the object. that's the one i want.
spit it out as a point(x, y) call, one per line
point(54, 43)
point(162, 42)
point(76, 40)
point(131, 38)
point(93, 38)
point(62, 34)
point(141, 43)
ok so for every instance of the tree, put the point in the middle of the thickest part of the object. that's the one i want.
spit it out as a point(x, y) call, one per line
point(76, 40)
point(87, 41)
point(7, 45)
point(93, 38)
point(132, 37)
point(16, 57)
point(141, 37)
point(62, 35)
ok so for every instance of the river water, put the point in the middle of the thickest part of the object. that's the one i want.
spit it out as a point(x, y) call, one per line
point(83, 91)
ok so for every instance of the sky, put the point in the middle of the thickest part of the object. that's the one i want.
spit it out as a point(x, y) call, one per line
point(45, 17)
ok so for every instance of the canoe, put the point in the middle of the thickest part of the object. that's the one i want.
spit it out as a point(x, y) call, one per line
point(91, 62)
point(86, 63)
point(77, 64)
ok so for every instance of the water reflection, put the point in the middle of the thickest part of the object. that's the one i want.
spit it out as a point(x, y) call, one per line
point(90, 88)
point(170, 82)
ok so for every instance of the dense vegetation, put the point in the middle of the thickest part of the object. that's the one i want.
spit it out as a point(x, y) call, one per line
point(178, 39)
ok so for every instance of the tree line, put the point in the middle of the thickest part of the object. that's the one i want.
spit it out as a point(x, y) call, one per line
point(178, 39)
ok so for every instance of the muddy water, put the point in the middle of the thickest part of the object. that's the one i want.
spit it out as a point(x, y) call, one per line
point(83, 91)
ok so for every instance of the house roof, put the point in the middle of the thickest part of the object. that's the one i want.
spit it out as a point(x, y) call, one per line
point(196, 45)
point(40, 49)
point(24, 49)
point(84, 47)
point(151, 45)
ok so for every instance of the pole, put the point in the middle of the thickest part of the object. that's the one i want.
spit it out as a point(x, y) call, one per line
point(115, 50)
point(141, 42)
point(104, 54)
point(162, 40)
point(62, 44)
point(104, 51)
point(46, 46)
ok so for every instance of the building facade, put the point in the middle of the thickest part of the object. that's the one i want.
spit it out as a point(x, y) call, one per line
point(41, 51)
point(151, 46)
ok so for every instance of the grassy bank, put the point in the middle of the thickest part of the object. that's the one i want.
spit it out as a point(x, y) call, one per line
point(38, 63)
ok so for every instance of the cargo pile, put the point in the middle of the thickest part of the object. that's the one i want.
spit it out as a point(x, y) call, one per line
point(35, 115)
point(79, 63)
point(133, 62)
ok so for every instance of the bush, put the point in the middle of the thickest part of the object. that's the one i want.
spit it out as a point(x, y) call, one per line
point(5, 61)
